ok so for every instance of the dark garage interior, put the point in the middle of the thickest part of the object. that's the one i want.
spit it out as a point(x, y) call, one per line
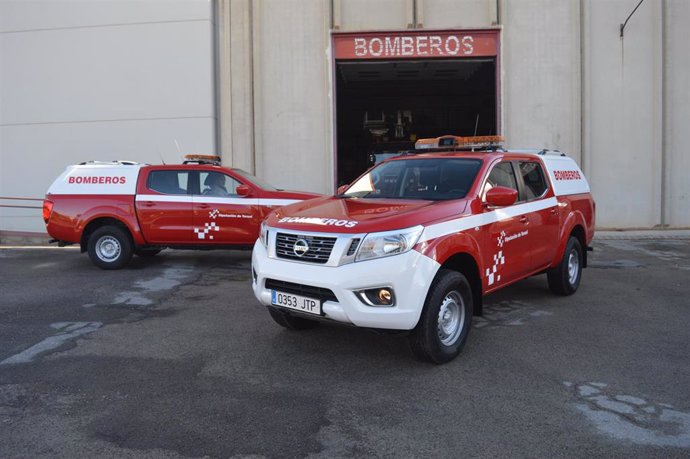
point(384, 106)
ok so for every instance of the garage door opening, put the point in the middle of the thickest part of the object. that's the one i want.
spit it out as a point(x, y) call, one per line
point(384, 106)
point(393, 88)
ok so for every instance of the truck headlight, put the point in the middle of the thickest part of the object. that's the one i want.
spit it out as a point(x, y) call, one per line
point(385, 244)
point(263, 234)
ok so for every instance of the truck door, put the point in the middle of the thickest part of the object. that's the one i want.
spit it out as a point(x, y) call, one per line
point(543, 219)
point(506, 254)
point(221, 216)
point(164, 208)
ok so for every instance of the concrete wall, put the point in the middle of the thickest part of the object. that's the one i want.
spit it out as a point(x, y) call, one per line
point(623, 111)
point(103, 80)
point(541, 74)
point(372, 15)
point(292, 94)
point(676, 114)
point(456, 14)
point(114, 79)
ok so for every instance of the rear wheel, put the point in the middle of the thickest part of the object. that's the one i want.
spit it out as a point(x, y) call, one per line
point(564, 279)
point(446, 319)
point(284, 319)
point(110, 247)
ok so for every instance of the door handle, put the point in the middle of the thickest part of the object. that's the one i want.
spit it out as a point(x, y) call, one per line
point(524, 219)
point(204, 206)
point(149, 204)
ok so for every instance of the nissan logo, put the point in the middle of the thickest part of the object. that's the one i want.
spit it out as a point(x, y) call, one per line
point(301, 247)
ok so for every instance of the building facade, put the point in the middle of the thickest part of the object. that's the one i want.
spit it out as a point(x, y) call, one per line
point(304, 92)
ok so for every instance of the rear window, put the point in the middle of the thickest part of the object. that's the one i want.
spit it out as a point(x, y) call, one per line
point(532, 175)
point(168, 182)
point(429, 179)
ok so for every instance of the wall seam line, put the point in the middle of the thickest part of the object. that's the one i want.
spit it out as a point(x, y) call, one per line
point(98, 26)
point(118, 120)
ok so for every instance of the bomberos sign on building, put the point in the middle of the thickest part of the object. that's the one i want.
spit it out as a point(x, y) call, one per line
point(427, 44)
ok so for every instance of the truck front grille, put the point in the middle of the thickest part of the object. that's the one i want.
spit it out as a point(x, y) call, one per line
point(319, 248)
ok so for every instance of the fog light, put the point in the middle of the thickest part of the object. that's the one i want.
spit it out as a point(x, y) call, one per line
point(380, 296)
point(385, 296)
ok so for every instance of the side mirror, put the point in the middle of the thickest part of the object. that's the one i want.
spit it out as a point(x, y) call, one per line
point(243, 190)
point(341, 189)
point(501, 196)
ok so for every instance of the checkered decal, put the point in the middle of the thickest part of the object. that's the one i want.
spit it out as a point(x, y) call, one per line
point(499, 259)
point(208, 227)
point(501, 239)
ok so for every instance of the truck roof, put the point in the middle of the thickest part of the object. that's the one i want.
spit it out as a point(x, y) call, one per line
point(476, 147)
point(476, 154)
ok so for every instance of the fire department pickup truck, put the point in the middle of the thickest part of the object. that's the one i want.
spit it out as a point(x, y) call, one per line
point(417, 241)
point(116, 209)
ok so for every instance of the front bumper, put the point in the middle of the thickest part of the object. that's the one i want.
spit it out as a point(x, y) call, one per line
point(409, 274)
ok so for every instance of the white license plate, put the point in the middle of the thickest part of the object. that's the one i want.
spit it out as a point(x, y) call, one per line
point(296, 302)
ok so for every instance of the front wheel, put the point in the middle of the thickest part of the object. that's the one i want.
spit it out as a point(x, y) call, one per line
point(564, 279)
point(446, 318)
point(110, 247)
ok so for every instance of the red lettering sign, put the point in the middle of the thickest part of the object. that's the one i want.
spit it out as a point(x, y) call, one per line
point(567, 175)
point(426, 44)
point(96, 180)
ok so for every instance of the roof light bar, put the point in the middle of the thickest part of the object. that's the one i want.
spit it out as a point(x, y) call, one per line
point(453, 141)
point(212, 158)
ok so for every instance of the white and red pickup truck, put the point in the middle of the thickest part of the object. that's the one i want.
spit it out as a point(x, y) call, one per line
point(116, 209)
point(417, 241)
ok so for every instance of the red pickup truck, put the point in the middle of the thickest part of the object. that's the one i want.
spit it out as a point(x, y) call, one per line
point(116, 209)
point(417, 241)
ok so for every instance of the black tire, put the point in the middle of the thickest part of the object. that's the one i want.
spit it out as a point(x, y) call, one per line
point(565, 278)
point(110, 247)
point(440, 339)
point(147, 253)
point(284, 319)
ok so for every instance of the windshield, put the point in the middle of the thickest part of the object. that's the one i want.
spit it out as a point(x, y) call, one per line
point(255, 180)
point(430, 179)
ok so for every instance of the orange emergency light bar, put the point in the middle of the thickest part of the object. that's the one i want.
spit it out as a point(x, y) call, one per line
point(214, 158)
point(451, 141)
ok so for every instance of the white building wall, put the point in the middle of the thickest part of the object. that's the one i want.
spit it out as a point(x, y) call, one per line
point(293, 94)
point(372, 15)
point(101, 80)
point(676, 113)
point(456, 14)
point(541, 74)
point(623, 116)
point(107, 79)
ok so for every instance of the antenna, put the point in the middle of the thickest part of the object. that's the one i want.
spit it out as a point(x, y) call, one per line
point(476, 125)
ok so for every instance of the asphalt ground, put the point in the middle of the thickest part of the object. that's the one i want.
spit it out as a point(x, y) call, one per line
point(173, 357)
